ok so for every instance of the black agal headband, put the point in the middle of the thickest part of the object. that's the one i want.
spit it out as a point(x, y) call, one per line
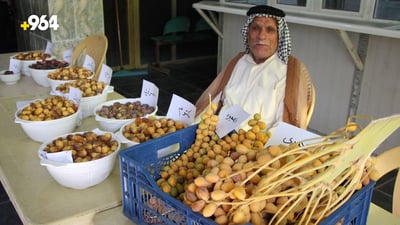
point(265, 9)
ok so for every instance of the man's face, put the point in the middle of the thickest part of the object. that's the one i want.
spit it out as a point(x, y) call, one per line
point(263, 38)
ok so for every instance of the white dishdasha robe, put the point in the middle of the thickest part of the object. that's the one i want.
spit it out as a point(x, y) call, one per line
point(258, 88)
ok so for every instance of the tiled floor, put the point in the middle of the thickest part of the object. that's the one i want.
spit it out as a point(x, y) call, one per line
point(187, 80)
point(8, 215)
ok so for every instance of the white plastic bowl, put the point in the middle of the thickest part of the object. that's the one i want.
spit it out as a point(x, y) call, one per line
point(88, 104)
point(122, 138)
point(125, 140)
point(10, 79)
point(40, 76)
point(25, 66)
point(113, 125)
point(42, 131)
point(26, 63)
point(54, 83)
point(83, 174)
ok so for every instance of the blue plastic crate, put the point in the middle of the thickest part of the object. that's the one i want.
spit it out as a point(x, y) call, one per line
point(145, 203)
point(355, 210)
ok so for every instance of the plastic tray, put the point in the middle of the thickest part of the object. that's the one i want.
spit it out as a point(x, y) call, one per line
point(145, 203)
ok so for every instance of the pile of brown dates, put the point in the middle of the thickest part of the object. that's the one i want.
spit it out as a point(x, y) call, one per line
point(49, 64)
point(128, 110)
point(86, 146)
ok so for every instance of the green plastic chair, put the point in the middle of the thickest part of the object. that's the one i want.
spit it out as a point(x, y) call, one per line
point(173, 33)
point(201, 25)
point(177, 25)
point(201, 31)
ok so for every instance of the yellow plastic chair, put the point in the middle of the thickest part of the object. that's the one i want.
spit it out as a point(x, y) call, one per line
point(385, 163)
point(96, 47)
point(173, 33)
point(311, 103)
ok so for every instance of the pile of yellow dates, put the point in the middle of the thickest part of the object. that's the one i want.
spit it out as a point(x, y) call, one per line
point(88, 87)
point(208, 151)
point(32, 56)
point(50, 108)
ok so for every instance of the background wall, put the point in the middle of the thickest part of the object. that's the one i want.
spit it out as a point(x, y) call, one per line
point(333, 73)
point(76, 18)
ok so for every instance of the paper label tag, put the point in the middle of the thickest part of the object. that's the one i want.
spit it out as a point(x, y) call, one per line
point(67, 55)
point(230, 119)
point(149, 93)
point(105, 74)
point(89, 63)
point(21, 104)
point(62, 157)
point(75, 94)
point(15, 65)
point(49, 48)
point(181, 110)
point(287, 134)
